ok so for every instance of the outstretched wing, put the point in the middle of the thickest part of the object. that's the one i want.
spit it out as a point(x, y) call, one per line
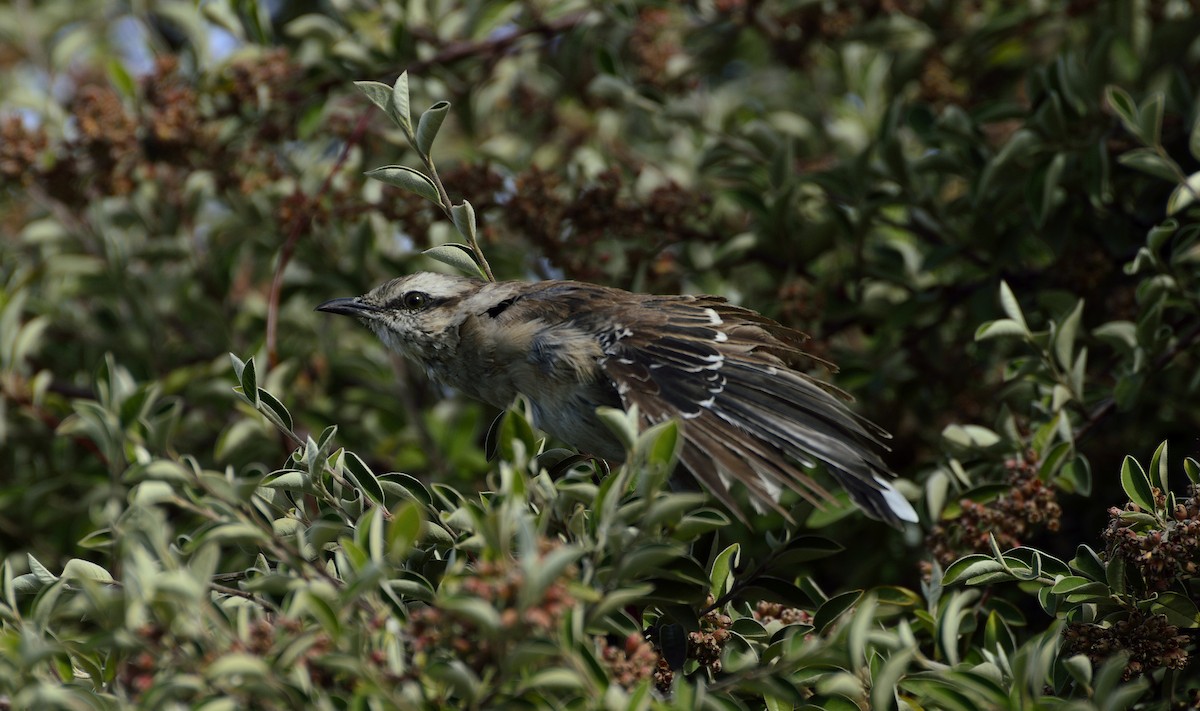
point(732, 376)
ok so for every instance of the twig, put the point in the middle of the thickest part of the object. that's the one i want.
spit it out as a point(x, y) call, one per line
point(293, 238)
point(455, 51)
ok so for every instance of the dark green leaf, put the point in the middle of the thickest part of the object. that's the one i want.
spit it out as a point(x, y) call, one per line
point(834, 608)
point(1136, 484)
point(428, 126)
point(1151, 162)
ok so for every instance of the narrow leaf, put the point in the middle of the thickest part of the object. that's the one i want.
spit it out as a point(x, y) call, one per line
point(249, 382)
point(458, 256)
point(401, 113)
point(464, 220)
point(379, 93)
point(1010, 305)
point(1136, 484)
point(1064, 339)
point(1151, 162)
point(411, 180)
point(1185, 194)
point(428, 125)
point(1150, 117)
point(1158, 466)
point(1122, 103)
point(1000, 328)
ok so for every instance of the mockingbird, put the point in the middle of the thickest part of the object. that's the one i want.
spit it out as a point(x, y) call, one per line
point(732, 377)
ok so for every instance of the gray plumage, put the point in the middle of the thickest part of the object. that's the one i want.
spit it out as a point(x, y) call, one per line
point(733, 377)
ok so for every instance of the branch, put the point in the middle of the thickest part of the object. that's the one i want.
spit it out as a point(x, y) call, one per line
point(497, 44)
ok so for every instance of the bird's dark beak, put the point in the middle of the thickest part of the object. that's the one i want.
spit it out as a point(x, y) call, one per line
point(347, 306)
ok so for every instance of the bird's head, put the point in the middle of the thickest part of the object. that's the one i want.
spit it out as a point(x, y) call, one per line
point(416, 315)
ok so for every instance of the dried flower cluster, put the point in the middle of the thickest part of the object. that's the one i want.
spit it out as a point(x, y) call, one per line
point(572, 230)
point(161, 657)
point(634, 660)
point(656, 40)
point(706, 645)
point(767, 612)
point(1161, 555)
point(1152, 643)
point(435, 630)
point(1030, 505)
point(164, 137)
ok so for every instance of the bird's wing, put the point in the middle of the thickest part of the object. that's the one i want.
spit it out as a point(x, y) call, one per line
point(730, 375)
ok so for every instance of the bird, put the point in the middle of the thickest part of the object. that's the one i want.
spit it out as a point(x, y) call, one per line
point(734, 379)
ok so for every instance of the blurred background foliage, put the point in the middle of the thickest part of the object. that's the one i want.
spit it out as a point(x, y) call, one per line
point(984, 212)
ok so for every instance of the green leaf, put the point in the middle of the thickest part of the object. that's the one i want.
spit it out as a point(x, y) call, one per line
point(1160, 234)
point(234, 532)
point(412, 585)
point(79, 569)
point(1122, 332)
point(1064, 338)
point(621, 423)
point(667, 510)
point(1151, 162)
point(1150, 118)
point(1114, 575)
point(699, 522)
point(1125, 107)
point(970, 436)
point(1088, 563)
point(1194, 140)
point(428, 125)
point(541, 573)
point(1076, 477)
point(244, 667)
point(1050, 183)
point(364, 479)
point(1192, 468)
point(407, 178)
point(249, 383)
point(721, 576)
point(834, 608)
point(1179, 609)
point(1158, 467)
point(380, 94)
point(404, 529)
point(1080, 669)
point(463, 215)
point(1054, 459)
point(976, 569)
point(274, 410)
point(401, 113)
point(474, 609)
point(883, 683)
point(459, 256)
point(664, 442)
point(1185, 194)
point(1012, 308)
point(1001, 328)
point(803, 549)
point(1136, 484)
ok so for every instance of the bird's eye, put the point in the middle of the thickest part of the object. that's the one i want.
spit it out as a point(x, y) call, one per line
point(415, 300)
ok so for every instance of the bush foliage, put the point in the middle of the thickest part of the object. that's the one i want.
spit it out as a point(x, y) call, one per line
point(986, 213)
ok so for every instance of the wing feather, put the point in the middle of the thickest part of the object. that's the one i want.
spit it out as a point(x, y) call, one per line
point(749, 415)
